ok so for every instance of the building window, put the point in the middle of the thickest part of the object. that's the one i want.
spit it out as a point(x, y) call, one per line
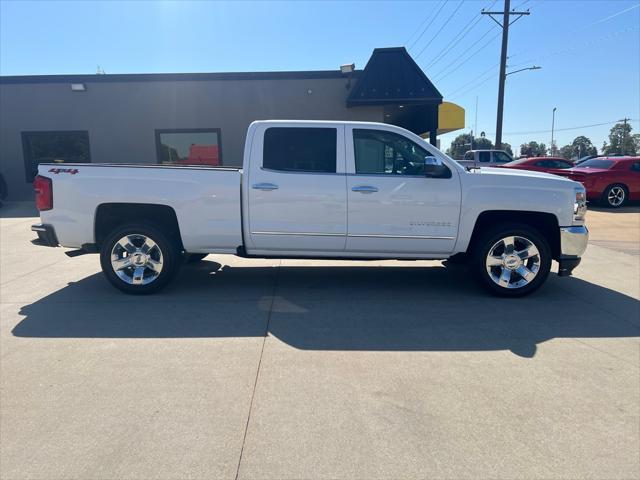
point(53, 147)
point(292, 149)
point(198, 146)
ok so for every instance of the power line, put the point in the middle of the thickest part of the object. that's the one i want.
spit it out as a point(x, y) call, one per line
point(440, 55)
point(442, 75)
point(461, 35)
point(490, 69)
point(585, 26)
point(438, 32)
point(582, 45)
point(491, 77)
point(427, 27)
point(567, 128)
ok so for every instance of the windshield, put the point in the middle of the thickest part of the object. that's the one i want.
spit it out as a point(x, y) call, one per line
point(597, 163)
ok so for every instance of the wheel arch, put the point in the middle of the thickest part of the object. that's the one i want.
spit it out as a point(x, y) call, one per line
point(546, 223)
point(109, 216)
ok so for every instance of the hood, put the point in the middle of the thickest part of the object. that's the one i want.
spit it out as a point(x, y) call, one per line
point(513, 172)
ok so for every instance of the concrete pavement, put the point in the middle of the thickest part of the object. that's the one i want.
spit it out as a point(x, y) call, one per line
point(307, 369)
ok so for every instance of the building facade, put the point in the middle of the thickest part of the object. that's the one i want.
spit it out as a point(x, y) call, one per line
point(195, 118)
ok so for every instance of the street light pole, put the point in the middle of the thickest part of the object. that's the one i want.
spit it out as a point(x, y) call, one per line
point(553, 122)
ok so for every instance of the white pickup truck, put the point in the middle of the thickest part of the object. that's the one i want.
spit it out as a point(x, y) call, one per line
point(485, 158)
point(311, 189)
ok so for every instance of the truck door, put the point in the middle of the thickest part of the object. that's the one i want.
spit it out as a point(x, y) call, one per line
point(297, 197)
point(399, 202)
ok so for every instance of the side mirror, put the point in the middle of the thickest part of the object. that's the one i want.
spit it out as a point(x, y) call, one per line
point(432, 162)
point(434, 167)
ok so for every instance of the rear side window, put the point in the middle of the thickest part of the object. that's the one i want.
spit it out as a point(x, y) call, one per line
point(300, 149)
point(501, 157)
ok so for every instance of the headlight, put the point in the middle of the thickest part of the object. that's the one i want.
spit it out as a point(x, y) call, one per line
point(580, 205)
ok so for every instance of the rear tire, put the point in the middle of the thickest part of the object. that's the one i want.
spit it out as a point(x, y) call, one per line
point(511, 260)
point(615, 196)
point(138, 258)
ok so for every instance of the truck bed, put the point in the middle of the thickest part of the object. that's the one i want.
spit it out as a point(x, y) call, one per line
point(206, 200)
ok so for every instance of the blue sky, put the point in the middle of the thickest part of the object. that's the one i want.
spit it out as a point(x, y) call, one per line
point(589, 51)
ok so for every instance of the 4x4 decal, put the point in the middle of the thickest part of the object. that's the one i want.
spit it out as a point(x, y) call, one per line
point(72, 171)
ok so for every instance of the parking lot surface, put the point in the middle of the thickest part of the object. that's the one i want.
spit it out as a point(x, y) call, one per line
point(269, 369)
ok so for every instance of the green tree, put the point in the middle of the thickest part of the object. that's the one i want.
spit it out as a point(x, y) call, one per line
point(580, 147)
point(459, 146)
point(621, 142)
point(533, 149)
point(566, 152)
point(482, 143)
point(507, 148)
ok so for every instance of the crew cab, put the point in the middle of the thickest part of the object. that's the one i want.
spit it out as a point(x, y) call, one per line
point(613, 181)
point(316, 189)
point(485, 158)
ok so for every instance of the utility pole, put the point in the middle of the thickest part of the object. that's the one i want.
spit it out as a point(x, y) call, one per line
point(553, 124)
point(503, 60)
point(624, 134)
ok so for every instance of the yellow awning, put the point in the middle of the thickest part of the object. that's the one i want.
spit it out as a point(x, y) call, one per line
point(450, 117)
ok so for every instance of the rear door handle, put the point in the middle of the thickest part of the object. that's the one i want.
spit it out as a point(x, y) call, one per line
point(364, 189)
point(265, 186)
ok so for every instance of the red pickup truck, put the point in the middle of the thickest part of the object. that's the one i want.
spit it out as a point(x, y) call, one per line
point(614, 181)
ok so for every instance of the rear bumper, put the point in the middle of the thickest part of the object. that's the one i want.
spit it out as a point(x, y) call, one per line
point(46, 235)
point(573, 243)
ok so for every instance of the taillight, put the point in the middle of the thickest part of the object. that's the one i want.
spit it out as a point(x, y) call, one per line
point(44, 193)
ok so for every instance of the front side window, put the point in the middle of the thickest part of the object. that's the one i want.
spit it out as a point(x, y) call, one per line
point(189, 147)
point(381, 152)
point(53, 147)
point(291, 149)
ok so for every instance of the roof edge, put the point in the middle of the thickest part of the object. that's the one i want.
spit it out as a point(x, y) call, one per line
point(169, 77)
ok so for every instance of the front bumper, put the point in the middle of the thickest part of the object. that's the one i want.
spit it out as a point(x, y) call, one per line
point(573, 243)
point(46, 235)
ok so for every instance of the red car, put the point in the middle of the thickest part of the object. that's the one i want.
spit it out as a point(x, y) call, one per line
point(612, 180)
point(539, 164)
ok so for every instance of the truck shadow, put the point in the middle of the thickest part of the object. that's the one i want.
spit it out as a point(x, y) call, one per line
point(337, 308)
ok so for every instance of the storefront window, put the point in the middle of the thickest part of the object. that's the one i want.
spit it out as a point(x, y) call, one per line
point(53, 147)
point(189, 147)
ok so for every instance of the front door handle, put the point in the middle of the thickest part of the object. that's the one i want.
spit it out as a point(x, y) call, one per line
point(265, 186)
point(364, 189)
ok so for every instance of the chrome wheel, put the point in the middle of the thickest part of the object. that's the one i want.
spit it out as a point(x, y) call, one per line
point(136, 259)
point(616, 196)
point(513, 262)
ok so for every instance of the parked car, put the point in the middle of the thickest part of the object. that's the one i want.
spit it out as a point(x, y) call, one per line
point(485, 158)
point(612, 181)
point(539, 164)
point(316, 190)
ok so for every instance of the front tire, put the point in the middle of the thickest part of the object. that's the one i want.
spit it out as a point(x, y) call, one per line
point(511, 260)
point(615, 196)
point(139, 259)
